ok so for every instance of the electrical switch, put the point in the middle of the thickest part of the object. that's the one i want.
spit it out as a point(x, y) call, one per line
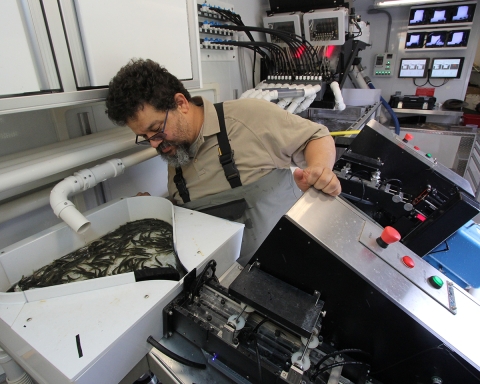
point(435, 281)
point(408, 261)
point(389, 235)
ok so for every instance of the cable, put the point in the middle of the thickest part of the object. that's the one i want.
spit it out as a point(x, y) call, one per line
point(418, 84)
point(339, 364)
point(336, 353)
point(445, 81)
point(173, 355)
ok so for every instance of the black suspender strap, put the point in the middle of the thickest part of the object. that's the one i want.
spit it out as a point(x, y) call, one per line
point(179, 181)
point(225, 156)
point(225, 153)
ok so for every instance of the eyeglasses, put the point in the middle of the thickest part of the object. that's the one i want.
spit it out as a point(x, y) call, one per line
point(156, 137)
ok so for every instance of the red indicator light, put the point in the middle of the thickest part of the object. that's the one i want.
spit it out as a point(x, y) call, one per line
point(420, 217)
point(299, 51)
point(329, 51)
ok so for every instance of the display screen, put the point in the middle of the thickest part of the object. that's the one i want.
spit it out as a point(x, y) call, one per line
point(417, 16)
point(438, 15)
point(415, 40)
point(450, 68)
point(462, 13)
point(413, 68)
point(435, 39)
point(457, 38)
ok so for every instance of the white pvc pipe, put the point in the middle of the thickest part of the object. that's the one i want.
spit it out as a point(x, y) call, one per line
point(85, 179)
point(24, 205)
point(15, 374)
point(339, 104)
point(43, 164)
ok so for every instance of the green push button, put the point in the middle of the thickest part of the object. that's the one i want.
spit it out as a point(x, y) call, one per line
point(435, 281)
point(429, 155)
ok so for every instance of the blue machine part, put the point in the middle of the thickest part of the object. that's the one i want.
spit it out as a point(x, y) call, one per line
point(459, 256)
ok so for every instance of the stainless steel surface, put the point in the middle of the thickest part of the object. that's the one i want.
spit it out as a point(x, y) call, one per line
point(428, 112)
point(72, 32)
point(418, 275)
point(340, 234)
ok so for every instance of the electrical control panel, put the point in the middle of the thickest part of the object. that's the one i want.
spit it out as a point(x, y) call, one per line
point(287, 22)
point(326, 26)
point(384, 65)
point(214, 41)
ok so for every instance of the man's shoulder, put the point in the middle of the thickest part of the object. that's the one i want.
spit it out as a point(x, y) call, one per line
point(250, 106)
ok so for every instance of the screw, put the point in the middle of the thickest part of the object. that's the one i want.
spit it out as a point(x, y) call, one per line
point(146, 297)
point(170, 313)
point(29, 319)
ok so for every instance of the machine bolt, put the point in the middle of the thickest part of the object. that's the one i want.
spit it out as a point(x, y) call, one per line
point(222, 301)
point(209, 318)
point(235, 341)
point(170, 313)
point(170, 334)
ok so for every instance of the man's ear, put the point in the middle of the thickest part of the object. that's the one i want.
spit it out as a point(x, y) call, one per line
point(182, 103)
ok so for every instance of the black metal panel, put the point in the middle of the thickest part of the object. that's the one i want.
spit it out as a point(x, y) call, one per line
point(445, 208)
point(357, 314)
point(279, 301)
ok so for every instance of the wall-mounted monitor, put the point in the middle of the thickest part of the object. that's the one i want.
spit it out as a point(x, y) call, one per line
point(435, 39)
point(415, 40)
point(462, 13)
point(413, 68)
point(417, 17)
point(439, 15)
point(457, 38)
point(447, 68)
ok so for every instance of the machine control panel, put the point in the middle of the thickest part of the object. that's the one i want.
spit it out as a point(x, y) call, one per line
point(384, 65)
point(411, 266)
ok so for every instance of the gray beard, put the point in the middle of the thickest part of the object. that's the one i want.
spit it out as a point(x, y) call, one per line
point(181, 156)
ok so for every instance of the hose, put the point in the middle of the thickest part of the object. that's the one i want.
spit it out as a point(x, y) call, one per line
point(396, 123)
point(173, 355)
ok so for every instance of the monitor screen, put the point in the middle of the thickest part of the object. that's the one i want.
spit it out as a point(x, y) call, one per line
point(417, 16)
point(438, 15)
point(412, 68)
point(450, 68)
point(435, 39)
point(457, 38)
point(415, 40)
point(462, 13)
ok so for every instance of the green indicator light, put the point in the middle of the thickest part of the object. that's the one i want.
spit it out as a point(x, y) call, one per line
point(428, 155)
point(389, 72)
point(388, 62)
point(436, 281)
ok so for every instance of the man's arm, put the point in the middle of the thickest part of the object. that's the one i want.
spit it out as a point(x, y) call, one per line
point(320, 157)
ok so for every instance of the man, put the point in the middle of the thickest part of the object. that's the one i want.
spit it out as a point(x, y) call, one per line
point(235, 166)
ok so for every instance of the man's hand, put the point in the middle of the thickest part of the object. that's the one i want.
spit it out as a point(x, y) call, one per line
point(321, 178)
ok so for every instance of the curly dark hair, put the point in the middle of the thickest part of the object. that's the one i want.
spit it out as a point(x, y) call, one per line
point(139, 82)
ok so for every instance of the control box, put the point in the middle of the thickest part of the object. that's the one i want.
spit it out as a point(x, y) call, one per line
point(384, 65)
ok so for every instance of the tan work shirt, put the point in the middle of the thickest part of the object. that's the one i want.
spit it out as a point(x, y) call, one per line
point(262, 136)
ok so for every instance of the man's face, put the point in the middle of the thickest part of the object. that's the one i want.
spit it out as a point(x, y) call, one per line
point(174, 147)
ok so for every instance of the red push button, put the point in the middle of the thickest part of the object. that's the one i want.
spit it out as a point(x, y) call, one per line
point(416, 148)
point(408, 261)
point(389, 235)
point(407, 137)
